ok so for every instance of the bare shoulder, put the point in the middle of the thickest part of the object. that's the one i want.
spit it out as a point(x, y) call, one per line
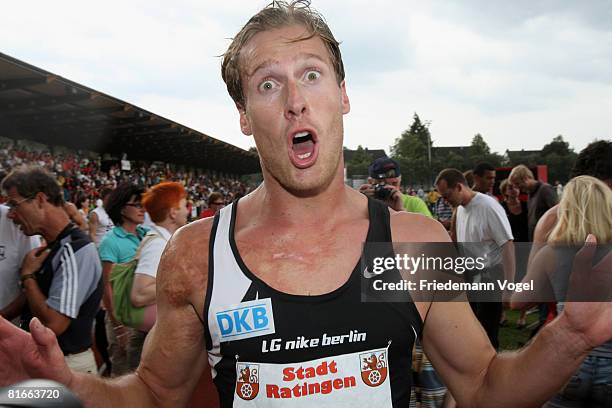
point(412, 227)
point(183, 269)
point(546, 224)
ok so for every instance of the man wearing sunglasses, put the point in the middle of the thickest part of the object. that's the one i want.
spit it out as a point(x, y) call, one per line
point(62, 281)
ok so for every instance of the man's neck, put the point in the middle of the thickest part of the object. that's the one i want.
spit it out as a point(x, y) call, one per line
point(56, 222)
point(468, 195)
point(480, 189)
point(532, 184)
point(271, 203)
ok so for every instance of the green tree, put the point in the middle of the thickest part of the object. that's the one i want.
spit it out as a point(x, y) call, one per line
point(481, 152)
point(411, 150)
point(359, 163)
point(559, 158)
point(557, 146)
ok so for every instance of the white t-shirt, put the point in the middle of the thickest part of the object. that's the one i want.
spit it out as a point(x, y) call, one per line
point(484, 221)
point(105, 224)
point(14, 245)
point(150, 254)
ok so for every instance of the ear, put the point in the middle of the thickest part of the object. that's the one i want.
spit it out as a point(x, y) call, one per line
point(40, 198)
point(245, 124)
point(172, 213)
point(346, 104)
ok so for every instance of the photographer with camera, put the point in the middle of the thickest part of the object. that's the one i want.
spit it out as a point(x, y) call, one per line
point(384, 184)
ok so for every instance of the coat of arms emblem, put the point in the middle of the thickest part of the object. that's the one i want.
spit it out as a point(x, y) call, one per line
point(374, 367)
point(247, 383)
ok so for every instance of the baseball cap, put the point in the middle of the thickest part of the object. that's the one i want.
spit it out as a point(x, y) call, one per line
point(384, 167)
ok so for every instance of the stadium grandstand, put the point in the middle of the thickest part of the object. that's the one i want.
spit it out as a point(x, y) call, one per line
point(43, 107)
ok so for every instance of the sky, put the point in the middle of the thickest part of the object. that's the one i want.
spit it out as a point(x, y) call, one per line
point(519, 73)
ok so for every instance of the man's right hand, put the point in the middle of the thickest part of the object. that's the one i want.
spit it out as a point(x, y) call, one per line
point(30, 355)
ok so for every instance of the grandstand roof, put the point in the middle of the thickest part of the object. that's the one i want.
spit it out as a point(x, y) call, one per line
point(44, 107)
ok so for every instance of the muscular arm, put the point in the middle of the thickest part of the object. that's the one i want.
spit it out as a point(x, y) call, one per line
point(460, 351)
point(174, 354)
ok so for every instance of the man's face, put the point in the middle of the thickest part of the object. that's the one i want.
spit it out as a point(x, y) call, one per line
point(521, 183)
point(452, 195)
point(487, 181)
point(294, 108)
point(394, 181)
point(23, 212)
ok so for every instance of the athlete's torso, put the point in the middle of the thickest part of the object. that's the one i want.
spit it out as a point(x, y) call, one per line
point(268, 348)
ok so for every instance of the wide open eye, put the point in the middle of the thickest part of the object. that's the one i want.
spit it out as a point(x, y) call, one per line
point(313, 75)
point(267, 85)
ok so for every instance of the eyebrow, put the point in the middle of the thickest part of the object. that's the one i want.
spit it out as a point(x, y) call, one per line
point(270, 62)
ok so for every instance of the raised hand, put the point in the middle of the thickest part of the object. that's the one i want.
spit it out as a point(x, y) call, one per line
point(36, 355)
point(589, 305)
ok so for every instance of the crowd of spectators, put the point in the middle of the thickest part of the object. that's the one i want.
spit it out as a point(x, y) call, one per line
point(82, 176)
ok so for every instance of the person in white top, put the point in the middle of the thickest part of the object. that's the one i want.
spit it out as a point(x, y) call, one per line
point(484, 231)
point(99, 221)
point(14, 245)
point(166, 203)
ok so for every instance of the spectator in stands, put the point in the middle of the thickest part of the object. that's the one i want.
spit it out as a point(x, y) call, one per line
point(215, 203)
point(480, 219)
point(99, 221)
point(75, 216)
point(166, 204)
point(82, 205)
point(484, 178)
point(384, 183)
point(62, 281)
point(14, 245)
point(119, 245)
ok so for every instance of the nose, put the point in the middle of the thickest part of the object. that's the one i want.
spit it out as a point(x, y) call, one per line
point(296, 102)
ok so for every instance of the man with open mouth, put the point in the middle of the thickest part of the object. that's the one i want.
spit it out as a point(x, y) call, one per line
point(266, 294)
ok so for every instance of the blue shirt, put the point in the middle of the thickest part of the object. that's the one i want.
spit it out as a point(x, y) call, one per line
point(119, 246)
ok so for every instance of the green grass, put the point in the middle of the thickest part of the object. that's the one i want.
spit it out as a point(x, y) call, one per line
point(511, 338)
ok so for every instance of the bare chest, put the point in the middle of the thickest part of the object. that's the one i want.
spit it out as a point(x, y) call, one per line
point(302, 262)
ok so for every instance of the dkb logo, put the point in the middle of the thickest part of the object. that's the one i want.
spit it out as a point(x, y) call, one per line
point(247, 319)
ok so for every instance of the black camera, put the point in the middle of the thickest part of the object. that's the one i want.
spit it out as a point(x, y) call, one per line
point(382, 193)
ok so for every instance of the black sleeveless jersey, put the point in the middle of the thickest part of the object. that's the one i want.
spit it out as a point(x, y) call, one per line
point(271, 349)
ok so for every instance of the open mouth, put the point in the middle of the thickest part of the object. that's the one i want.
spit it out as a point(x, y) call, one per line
point(303, 149)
